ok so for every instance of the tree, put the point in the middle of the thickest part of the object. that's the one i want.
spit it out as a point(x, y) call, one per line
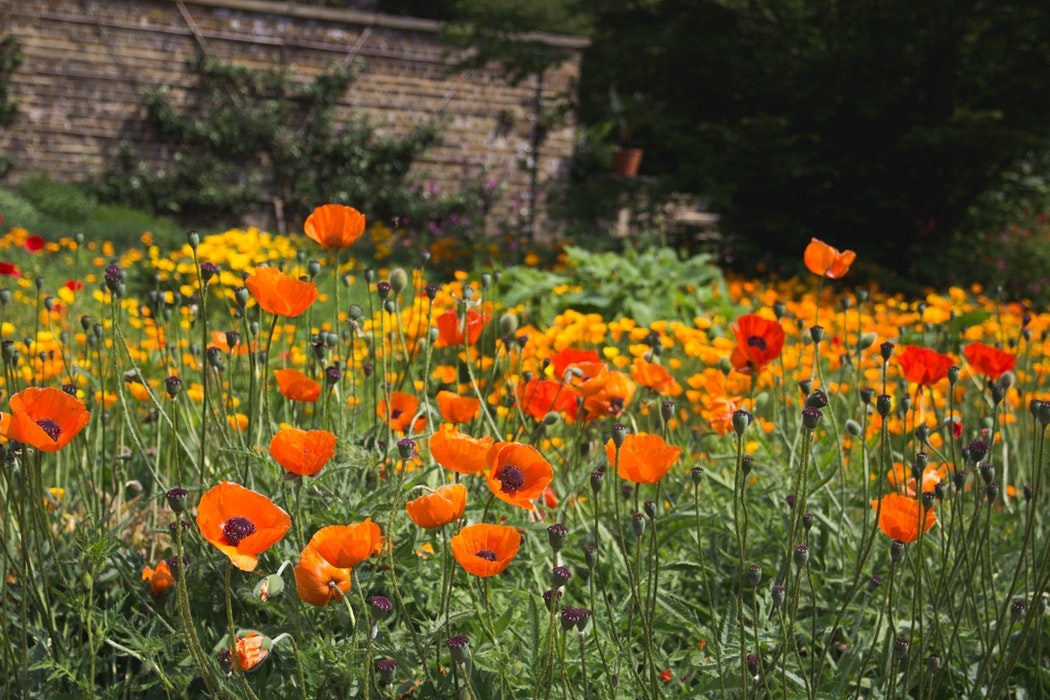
point(874, 125)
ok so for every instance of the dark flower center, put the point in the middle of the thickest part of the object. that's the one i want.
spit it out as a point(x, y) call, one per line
point(757, 342)
point(487, 555)
point(50, 427)
point(236, 529)
point(511, 478)
point(396, 413)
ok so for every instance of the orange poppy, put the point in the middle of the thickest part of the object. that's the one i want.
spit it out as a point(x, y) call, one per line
point(280, 294)
point(614, 391)
point(160, 579)
point(402, 409)
point(346, 546)
point(302, 452)
point(989, 361)
point(758, 342)
point(644, 457)
point(485, 550)
point(45, 418)
point(454, 331)
point(296, 386)
point(923, 366)
point(538, 397)
point(572, 356)
point(518, 473)
point(240, 523)
point(826, 261)
point(458, 409)
point(437, 509)
point(251, 649)
point(318, 581)
point(900, 477)
point(334, 225)
point(458, 451)
point(900, 515)
point(655, 377)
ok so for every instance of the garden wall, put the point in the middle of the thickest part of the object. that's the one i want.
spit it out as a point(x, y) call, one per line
point(88, 64)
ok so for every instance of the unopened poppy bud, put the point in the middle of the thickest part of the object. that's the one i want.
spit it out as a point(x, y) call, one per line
point(801, 555)
point(873, 583)
point(381, 607)
point(406, 448)
point(208, 270)
point(241, 295)
point(696, 474)
point(900, 648)
point(811, 417)
point(370, 275)
point(556, 535)
point(866, 340)
point(560, 575)
point(922, 434)
point(987, 471)
point(177, 499)
point(650, 508)
point(991, 492)
point(939, 490)
point(883, 404)
point(1017, 610)
point(431, 290)
point(385, 670)
point(816, 333)
point(552, 418)
point(904, 405)
point(590, 555)
point(551, 598)
point(1033, 405)
point(638, 524)
point(667, 409)
point(896, 550)
point(1007, 380)
point(853, 427)
point(459, 648)
point(619, 434)
point(779, 309)
point(959, 479)
point(398, 279)
point(1044, 413)
point(383, 289)
point(998, 393)
point(746, 464)
point(933, 662)
point(866, 394)
point(818, 399)
point(805, 386)
point(886, 351)
point(741, 419)
point(928, 499)
point(777, 595)
point(508, 324)
point(752, 664)
point(269, 587)
point(193, 238)
point(807, 521)
point(390, 306)
point(725, 366)
point(754, 575)
point(596, 481)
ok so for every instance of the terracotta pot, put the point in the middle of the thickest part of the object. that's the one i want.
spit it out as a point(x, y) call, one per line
point(625, 161)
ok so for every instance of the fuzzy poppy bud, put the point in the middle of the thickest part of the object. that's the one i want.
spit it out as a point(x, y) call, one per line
point(883, 404)
point(370, 275)
point(556, 534)
point(241, 295)
point(193, 238)
point(650, 508)
point(390, 306)
point(385, 670)
point(590, 555)
point(381, 607)
point(818, 399)
point(816, 333)
point(959, 479)
point(619, 434)
point(900, 648)
point(638, 524)
point(987, 471)
point(560, 575)
point(991, 492)
point(741, 419)
point(754, 575)
point(922, 434)
point(886, 351)
point(696, 474)
point(177, 499)
point(805, 386)
point(398, 279)
point(853, 427)
point(866, 340)
point(508, 324)
point(551, 597)
point(939, 491)
point(777, 595)
point(596, 481)
point(811, 417)
point(779, 310)
point(406, 448)
point(998, 392)
point(801, 555)
point(746, 464)
point(667, 409)
point(459, 648)
point(928, 499)
point(896, 550)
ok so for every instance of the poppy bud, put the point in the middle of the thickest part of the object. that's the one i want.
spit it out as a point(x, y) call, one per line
point(939, 491)
point(777, 595)
point(696, 474)
point(991, 492)
point(431, 290)
point(385, 670)
point(886, 351)
point(853, 427)
point(811, 417)
point(866, 394)
point(928, 499)
point(866, 340)
point(383, 289)
point(590, 555)
point(933, 662)
point(208, 270)
point(508, 323)
point(896, 550)
point(370, 275)
point(638, 524)
point(459, 647)
point(241, 295)
point(922, 434)
point(193, 238)
point(816, 333)
point(269, 587)
point(873, 583)
point(801, 555)
point(596, 481)
point(746, 463)
point(883, 404)
point(381, 607)
point(177, 499)
point(779, 309)
point(667, 409)
point(741, 419)
point(650, 508)
point(805, 386)
point(398, 279)
point(900, 648)
point(807, 521)
point(551, 597)
point(560, 575)
point(556, 534)
point(987, 471)
point(818, 399)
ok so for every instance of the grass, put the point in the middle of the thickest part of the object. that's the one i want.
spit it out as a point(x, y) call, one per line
point(688, 523)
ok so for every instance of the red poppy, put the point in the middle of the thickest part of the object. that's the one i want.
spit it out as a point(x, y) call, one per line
point(346, 546)
point(35, 244)
point(759, 341)
point(538, 397)
point(318, 581)
point(518, 473)
point(160, 579)
point(826, 261)
point(900, 515)
point(437, 509)
point(280, 294)
point(240, 523)
point(923, 366)
point(989, 361)
point(334, 225)
point(458, 451)
point(458, 409)
point(44, 418)
point(296, 386)
point(453, 330)
point(402, 411)
point(74, 285)
point(303, 452)
point(485, 550)
point(9, 270)
point(572, 356)
point(644, 457)
point(655, 377)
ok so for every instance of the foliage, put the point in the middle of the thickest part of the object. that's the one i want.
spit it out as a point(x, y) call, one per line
point(247, 138)
point(647, 285)
point(876, 126)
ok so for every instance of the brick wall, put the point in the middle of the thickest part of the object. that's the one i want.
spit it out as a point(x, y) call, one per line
point(89, 62)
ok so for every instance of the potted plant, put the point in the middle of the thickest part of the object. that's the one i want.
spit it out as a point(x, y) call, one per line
point(627, 157)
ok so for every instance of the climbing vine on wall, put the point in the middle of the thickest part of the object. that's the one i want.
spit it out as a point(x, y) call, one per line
point(246, 138)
